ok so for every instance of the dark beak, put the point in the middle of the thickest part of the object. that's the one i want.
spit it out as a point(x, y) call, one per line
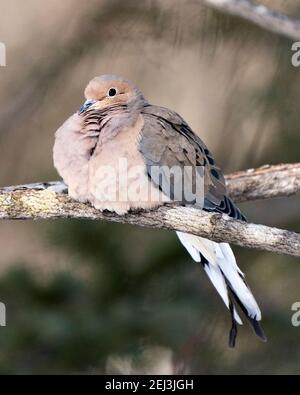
point(86, 105)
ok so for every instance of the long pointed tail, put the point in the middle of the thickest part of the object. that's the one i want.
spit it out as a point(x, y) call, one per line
point(220, 265)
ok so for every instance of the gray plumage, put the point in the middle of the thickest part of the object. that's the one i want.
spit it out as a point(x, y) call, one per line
point(117, 123)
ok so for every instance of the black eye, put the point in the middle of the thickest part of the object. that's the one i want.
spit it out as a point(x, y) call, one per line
point(112, 92)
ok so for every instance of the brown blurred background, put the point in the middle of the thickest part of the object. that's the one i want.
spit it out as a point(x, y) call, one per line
point(88, 297)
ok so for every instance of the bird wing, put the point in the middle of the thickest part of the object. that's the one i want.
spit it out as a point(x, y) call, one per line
point(166, 140)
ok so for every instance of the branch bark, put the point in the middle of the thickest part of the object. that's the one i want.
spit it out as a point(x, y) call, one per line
point(50, 201)
point(260, 15)
point(264, 182)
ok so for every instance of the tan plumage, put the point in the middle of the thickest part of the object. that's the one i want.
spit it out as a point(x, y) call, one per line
point(116, 122)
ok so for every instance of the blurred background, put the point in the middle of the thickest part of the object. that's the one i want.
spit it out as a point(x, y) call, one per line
point(87, 297)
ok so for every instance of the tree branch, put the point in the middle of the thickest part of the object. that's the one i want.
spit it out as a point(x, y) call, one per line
point(50, 201)
point(260, 15)
point(264, 182)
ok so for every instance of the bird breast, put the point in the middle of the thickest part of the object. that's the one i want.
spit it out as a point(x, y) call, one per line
point(105, 169)
point(118, 180)
point(71, 155)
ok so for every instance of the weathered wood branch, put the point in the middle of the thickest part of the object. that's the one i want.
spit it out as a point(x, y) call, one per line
point(264, 182)
point(260, 15)
point(50, 201)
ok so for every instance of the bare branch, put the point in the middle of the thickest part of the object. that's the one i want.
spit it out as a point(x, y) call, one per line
point(264, 182)
point(260, 15)
point(252, 184)
point(49, 201)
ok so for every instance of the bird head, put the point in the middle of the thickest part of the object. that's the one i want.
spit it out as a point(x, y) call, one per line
point(108, 91)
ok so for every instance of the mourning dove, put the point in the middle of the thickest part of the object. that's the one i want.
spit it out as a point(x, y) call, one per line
point(106, 152)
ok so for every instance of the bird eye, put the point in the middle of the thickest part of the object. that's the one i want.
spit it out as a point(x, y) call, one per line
point(112, 92)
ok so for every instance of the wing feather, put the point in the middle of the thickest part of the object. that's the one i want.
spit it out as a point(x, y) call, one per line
point(167, 140)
